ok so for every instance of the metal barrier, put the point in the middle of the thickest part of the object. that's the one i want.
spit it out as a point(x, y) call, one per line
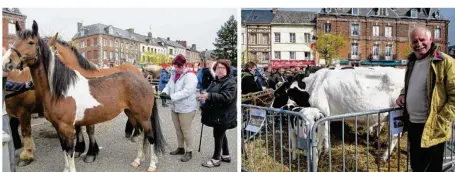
point(267, 137)
point(366, 158)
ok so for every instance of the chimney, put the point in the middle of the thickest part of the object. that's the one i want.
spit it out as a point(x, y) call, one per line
point(130, 30)
point(79, 25)
point(168, 38)
point(274, 10)
point(193, 47)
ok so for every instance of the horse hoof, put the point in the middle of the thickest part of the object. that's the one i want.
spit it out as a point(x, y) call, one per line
point(135, 164)
point(151, 169)
point(77, 154)
point(134, 139)
point(89, 158)
point(23, 163)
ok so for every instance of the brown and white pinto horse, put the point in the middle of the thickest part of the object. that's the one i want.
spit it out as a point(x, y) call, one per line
point(72, 59)
point(70, 100)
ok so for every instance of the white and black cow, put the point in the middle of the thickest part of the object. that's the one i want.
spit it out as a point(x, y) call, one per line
point(338, 91)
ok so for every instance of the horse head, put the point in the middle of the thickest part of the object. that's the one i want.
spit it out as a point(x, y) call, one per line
point(26, 49)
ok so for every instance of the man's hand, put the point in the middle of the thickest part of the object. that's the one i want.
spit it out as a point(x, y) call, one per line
point(400, 100)
point(165, 96)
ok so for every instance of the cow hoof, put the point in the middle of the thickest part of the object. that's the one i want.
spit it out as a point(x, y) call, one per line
point(89, 158)
point(134, 139)
point(23, 163)
point(135, 164)
point(151, 169)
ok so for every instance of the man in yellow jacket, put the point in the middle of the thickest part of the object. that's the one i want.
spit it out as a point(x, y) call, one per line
point(429, 101)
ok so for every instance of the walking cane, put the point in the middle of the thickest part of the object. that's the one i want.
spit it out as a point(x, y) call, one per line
point(200, 139)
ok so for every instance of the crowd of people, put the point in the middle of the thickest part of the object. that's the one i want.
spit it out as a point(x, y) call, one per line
point(217, 101)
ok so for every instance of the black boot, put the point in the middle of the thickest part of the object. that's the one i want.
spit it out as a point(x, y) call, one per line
point(178, 151)
point(188, 156)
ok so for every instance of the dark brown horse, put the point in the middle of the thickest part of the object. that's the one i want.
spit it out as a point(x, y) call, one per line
point(19, 108)
point(72, 59)
point(70, 100)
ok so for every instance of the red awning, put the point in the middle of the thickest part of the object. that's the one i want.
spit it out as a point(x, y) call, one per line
point(290, 63)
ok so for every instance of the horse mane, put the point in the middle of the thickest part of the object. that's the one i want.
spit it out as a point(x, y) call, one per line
point(83, 62)
point(60, 77)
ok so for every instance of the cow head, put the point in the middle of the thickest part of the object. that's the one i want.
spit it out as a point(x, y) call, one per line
point(280, 94)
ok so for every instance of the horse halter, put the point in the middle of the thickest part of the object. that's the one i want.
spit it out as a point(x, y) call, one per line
point(23, 58)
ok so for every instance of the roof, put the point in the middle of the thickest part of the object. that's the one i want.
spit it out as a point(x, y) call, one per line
point(257, 16)
point(294, 17)
point(171, 43)
point(422, 13)
point(14, 11)
point(207, 53)
point(96, 29)
point(143, 39)
point(452, 46)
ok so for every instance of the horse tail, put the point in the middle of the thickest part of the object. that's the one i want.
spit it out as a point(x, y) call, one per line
point(160, 143)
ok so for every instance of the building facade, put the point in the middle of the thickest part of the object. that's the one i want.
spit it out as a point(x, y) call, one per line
point(173, 48)
point(191, 54)
point(107, 45)
point(257, 24)
point(380, 34)
point(150, 44)
point(9, 18)
point(292, 38)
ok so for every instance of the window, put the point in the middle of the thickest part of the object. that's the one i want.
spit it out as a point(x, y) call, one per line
point(355, 30)
point(111, 55)
point(414, 13)
point(292, 37)
point(265, 56)
point(265, 39)
point(388, 51)
point(105, 55)
point(277, 55)
point(253, 39)
point(11, 29)
point(116, 43)
point(171, 52)
point(388, 31)
point(121, 45)
point(143, 48)
point(328, 10)
point(307, 55)
point(354, 50)
point(292, 55)
point(328, 27)
point(111, 43)
point(382, 11)
point(255, 17)
point(355, 11)
point(375, 30)
point(277, 37)
point(437, 33)
point(104, 42)
point(307, 37)
point(376, 51)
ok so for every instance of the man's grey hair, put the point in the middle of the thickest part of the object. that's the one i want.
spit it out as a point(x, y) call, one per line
point(427, 32)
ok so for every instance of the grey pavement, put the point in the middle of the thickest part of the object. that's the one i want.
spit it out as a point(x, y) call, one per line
point(117, 152)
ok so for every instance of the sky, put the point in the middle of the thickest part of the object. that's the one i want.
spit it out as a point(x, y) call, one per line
point(196, 26)
point(447, 13)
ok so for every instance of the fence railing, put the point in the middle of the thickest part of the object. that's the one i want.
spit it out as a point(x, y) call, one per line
point(379, 147)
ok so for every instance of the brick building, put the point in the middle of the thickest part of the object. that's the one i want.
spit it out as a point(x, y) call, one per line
point(380, 34)
point(105, 44)
point(9, 18)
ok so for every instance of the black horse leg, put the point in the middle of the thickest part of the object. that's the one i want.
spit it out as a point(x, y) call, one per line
point(80, 143)
point(93, 149)
point(14, 124)
point(128, 129)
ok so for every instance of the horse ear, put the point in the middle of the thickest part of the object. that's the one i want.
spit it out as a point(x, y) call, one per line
point(18, 28)
point(53, 40)
point(34, 28)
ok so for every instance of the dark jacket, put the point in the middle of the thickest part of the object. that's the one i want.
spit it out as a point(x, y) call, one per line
point(220, 109)
point(204, 78)
point(249, 85)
